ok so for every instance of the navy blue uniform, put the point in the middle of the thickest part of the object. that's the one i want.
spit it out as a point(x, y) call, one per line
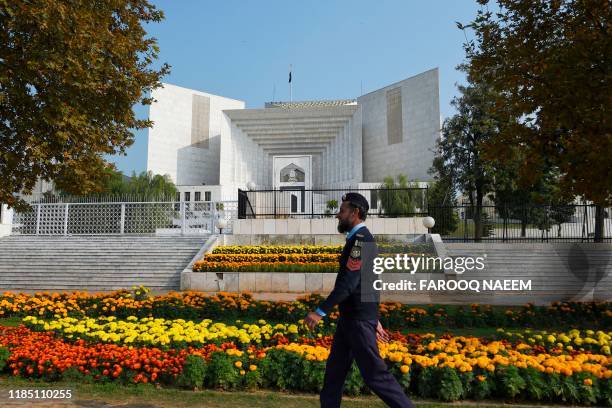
point(355, 336)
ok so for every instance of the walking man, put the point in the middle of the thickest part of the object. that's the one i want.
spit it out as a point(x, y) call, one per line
point(358, 327)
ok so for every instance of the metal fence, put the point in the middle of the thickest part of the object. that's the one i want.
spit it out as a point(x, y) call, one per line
point(292, 202)
point(542, 223)
point(50, 197)
point(102, 218)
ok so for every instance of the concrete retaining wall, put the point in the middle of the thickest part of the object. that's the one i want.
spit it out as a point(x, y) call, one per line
point(323, 226)
point(282, 282)
point(556, 272)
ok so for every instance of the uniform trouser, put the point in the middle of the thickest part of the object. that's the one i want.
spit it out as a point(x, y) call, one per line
point(356, 339)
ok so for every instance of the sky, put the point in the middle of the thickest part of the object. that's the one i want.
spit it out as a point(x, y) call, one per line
point(338, 49)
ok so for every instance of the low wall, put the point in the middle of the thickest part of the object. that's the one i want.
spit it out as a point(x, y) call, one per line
point(284, 282)
point(297, 239)
point(5, 229)
point(556, 272)
point(6, 219)
point(325, 226)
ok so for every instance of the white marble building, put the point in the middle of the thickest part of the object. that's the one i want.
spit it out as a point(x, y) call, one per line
point(210, 145)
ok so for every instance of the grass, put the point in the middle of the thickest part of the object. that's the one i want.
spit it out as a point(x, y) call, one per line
point(10, 321)
point(142, 394)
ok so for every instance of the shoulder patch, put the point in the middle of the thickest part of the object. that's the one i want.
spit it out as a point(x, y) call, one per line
point(353, 264)
point(356, 252)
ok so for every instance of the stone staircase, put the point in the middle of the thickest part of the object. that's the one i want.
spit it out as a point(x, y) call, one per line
point(95, 263)
point(558, 271)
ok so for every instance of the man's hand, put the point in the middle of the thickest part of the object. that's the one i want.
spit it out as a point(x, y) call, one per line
point(312, 319)
point(381, 334)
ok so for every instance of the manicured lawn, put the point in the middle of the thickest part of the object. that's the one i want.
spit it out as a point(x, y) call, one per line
point(171, 397)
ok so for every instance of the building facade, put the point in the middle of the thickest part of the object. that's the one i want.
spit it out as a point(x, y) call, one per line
point(210, 145)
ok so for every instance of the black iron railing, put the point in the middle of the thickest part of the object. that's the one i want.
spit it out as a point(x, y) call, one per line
point(497, 223)
point(296, 202)
point(505, 223)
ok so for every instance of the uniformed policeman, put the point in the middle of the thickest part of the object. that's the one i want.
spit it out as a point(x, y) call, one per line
point(358, 327)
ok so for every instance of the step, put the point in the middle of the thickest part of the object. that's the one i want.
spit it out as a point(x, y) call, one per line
point(103, 255)
point(94, 288)
point(39, 263)
point(80, 271)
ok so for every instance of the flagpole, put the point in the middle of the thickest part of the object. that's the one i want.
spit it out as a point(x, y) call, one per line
point(290, 86)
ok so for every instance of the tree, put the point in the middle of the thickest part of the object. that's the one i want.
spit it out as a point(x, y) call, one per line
point(441, 199)
point(331, 207)
point(460, 150)
point(549, 64)
point(150, 186)
point(70, 73)
point(401, 198)
point(530, 204)
point(145, 186)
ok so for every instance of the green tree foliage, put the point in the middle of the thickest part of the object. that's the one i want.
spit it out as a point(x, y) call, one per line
point(441, 199)
point(460, 151)
point(70, 73)
point(104, 217)
point(146, 185)
point(549, 64)
point(400, 197)
point(540, 204)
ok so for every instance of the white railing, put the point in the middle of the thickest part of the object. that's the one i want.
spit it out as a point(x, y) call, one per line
point(103, 218)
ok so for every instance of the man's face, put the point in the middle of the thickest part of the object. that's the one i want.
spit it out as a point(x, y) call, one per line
point(346, 217)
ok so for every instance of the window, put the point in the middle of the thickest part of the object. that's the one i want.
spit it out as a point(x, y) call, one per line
point(177, 205)
point(207, 196)
point(373, 199)
point(198, 196)
point(200, 122)
point(187, 196)
point(394, 116)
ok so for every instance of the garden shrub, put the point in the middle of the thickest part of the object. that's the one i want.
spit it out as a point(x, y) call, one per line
point(221, 372)
point(194, 372)
point(450, 387)
point(482, 387)
point(509, 381)
point(426, 382)
point(535, 386)
point(354, 385)
point(4, 356)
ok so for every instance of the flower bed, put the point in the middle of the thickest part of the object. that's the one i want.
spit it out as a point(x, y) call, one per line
point(231, 306)
point(585, 340)
point(194, 340)
point(148, 331)
point(448, 368)
point(290, 258)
